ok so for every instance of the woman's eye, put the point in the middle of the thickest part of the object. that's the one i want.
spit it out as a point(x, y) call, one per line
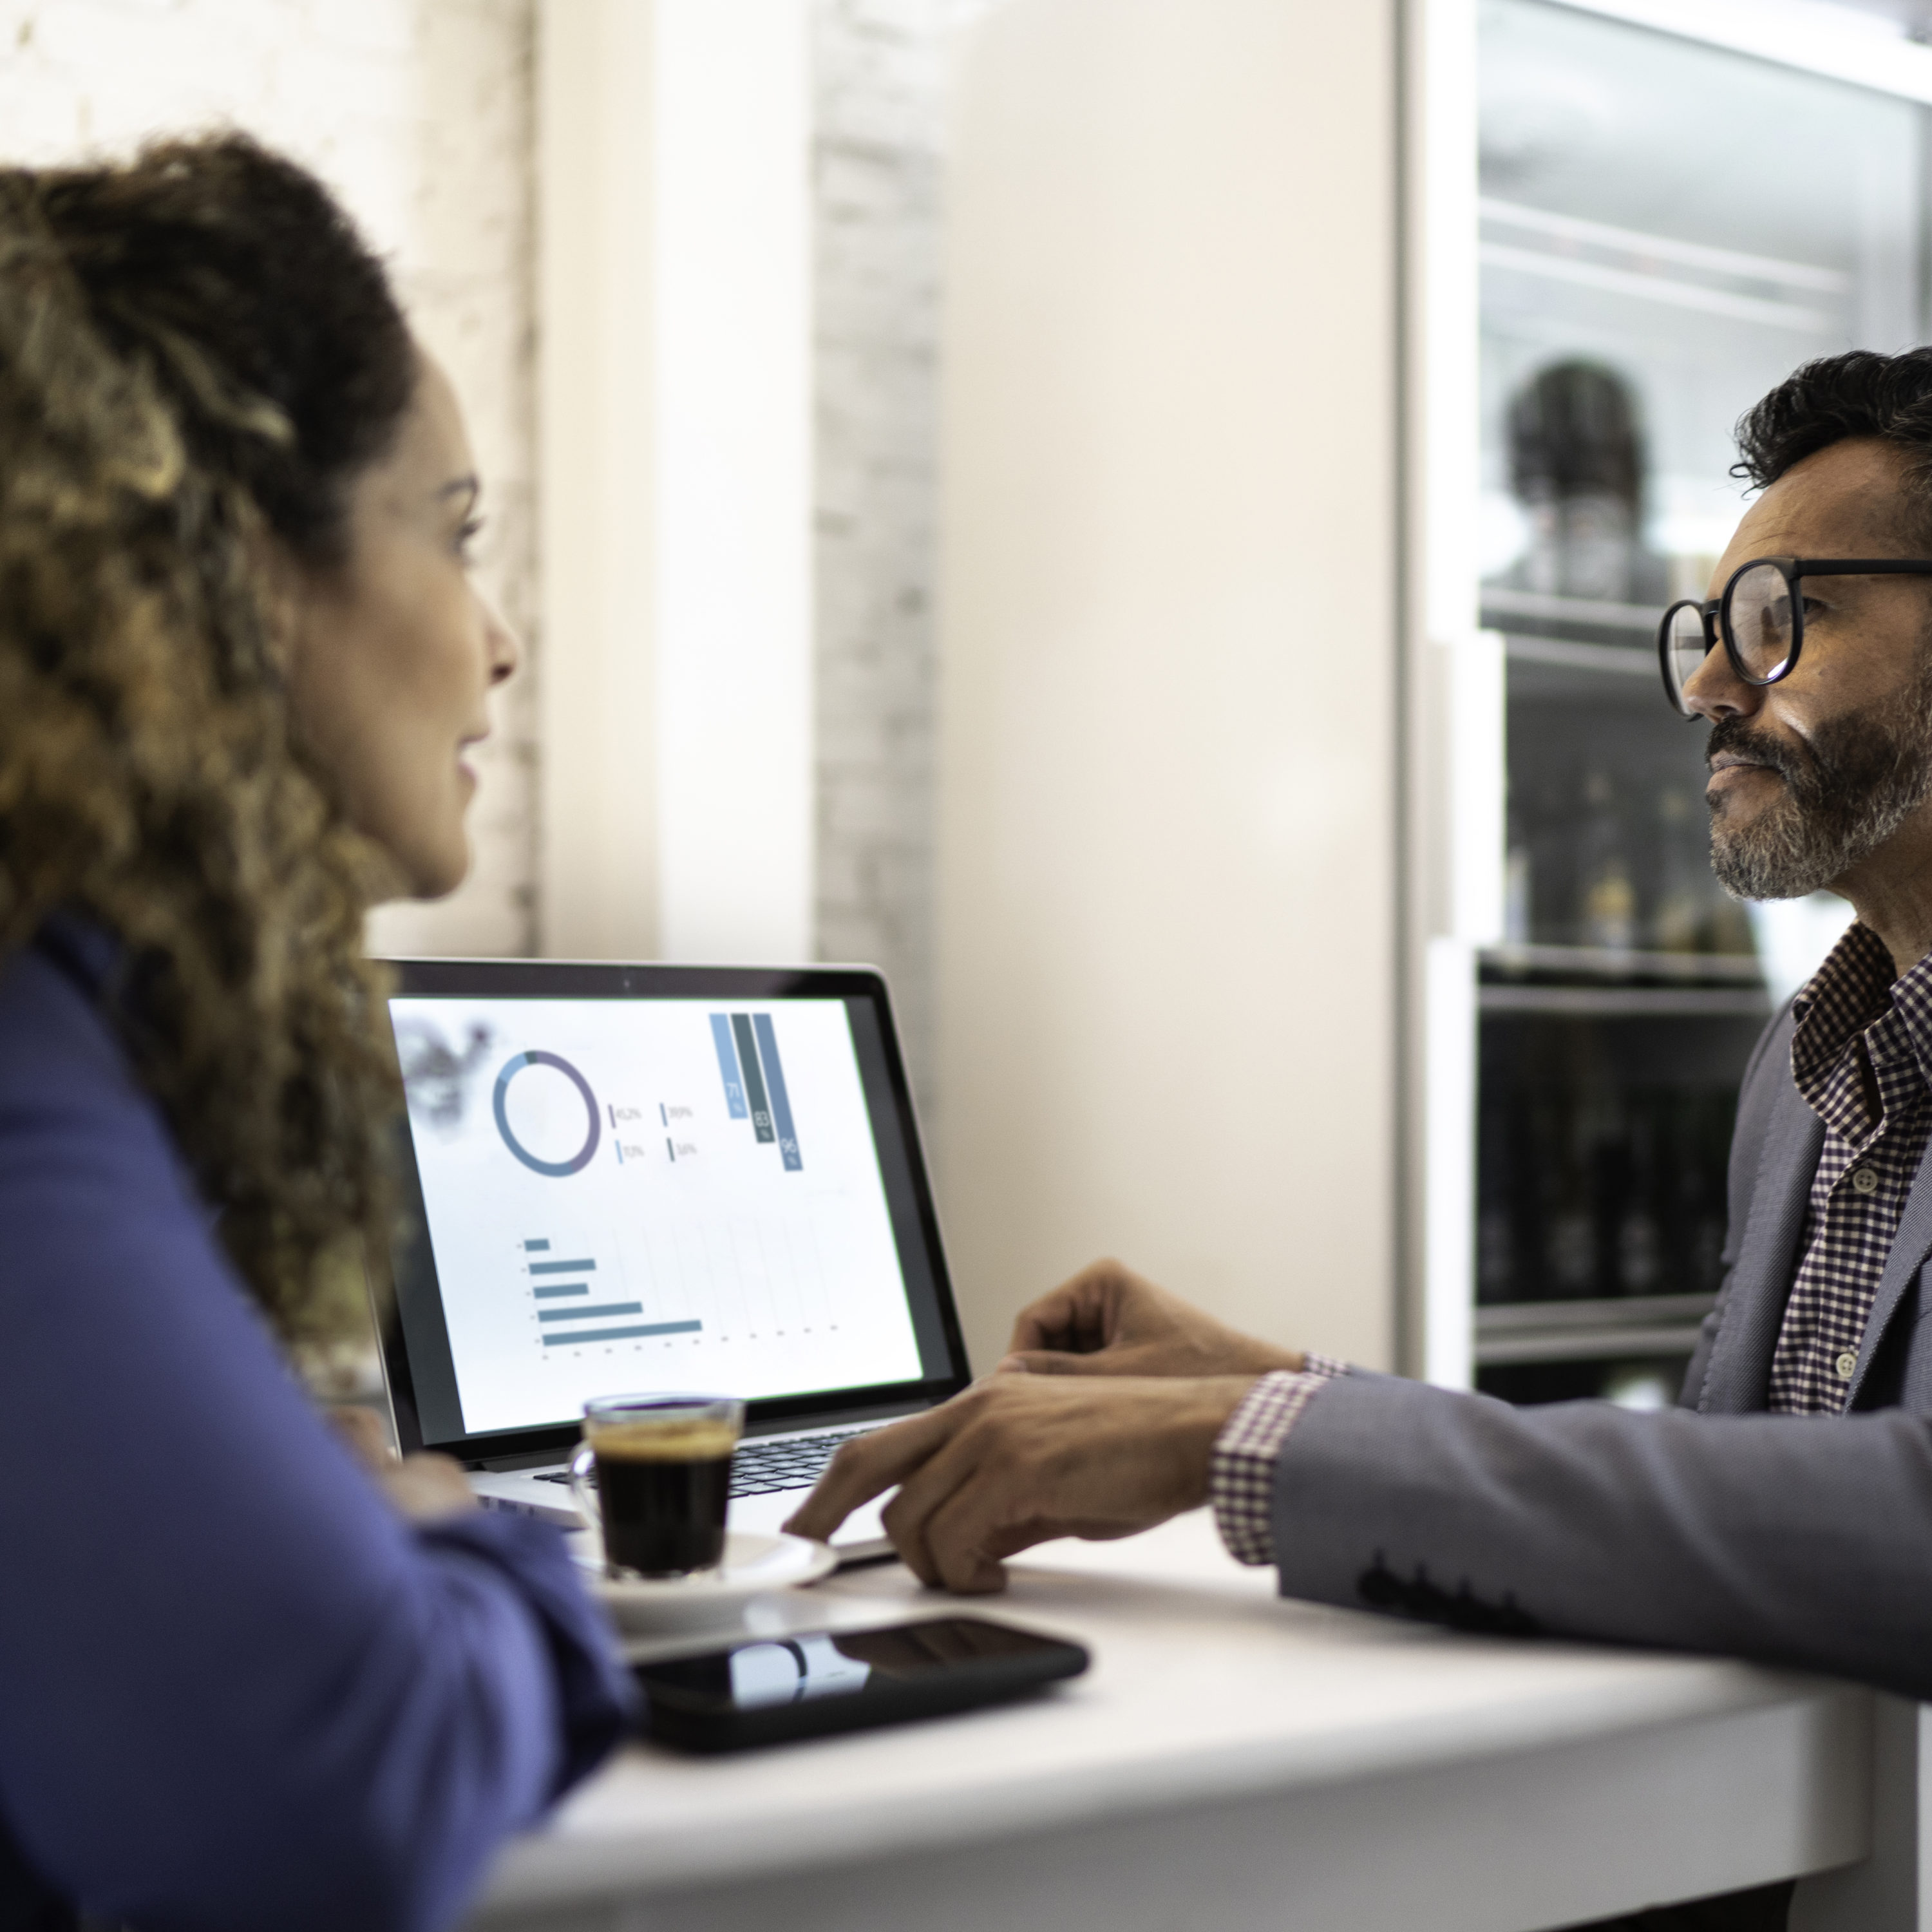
point(466, 538)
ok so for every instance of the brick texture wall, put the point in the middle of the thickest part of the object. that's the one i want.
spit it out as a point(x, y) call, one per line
point(418, 112)
point(879, 73)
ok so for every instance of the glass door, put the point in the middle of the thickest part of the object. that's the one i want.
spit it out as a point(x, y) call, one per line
point(1667, 229)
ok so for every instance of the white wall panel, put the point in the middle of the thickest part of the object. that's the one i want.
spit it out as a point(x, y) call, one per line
point(677, 799)
point(1168, 886)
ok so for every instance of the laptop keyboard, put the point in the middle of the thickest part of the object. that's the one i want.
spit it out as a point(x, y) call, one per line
point(765, 1468)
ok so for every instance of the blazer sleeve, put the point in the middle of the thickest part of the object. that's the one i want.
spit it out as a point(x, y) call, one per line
point(1797, 1540)
point(236, 1689)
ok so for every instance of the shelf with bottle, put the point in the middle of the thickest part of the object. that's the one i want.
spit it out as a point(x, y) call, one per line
point(1607, 847)
point(1602, 1155)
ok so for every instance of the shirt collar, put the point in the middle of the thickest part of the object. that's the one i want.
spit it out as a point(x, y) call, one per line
point(1852, 989)
point(1911, 1004)
point(1847, 997)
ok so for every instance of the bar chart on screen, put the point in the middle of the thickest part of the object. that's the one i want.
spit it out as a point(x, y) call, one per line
point(656, 1193)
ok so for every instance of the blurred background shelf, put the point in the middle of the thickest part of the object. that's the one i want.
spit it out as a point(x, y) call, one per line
point(1591, 1330)
point(1568, 963)
point(1636, 293)
point(1623, 1002)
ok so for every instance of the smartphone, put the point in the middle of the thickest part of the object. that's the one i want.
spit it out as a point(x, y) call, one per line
point(767, 1691)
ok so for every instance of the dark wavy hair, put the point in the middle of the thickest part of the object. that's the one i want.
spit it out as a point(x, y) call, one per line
point(198, 357)
point(1860, 393)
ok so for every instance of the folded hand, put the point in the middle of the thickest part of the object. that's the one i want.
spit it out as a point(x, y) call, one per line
point(1108, 1321)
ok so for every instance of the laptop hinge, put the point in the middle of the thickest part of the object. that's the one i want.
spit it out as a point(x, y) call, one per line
point(531, 1458)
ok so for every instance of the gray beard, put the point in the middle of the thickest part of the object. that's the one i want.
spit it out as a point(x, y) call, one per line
point(1858, 780)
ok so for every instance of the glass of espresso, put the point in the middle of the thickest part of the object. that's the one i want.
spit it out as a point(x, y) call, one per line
point(663, 1477)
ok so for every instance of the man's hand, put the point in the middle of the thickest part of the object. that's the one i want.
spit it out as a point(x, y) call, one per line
point(1107, 1321)
point(420, 1487)
point(1016, 1460)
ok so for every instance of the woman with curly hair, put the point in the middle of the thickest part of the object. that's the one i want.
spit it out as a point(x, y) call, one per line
point(245, 1681)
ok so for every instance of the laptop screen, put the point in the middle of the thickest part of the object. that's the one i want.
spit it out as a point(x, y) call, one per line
point(656, 1178)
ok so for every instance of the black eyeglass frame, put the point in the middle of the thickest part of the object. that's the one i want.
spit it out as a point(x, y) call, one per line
point(1717, 613)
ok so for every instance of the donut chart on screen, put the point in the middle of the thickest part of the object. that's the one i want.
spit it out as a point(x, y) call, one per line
point(556, 1169)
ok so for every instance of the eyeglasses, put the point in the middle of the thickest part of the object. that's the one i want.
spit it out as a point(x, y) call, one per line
point(1760, 616)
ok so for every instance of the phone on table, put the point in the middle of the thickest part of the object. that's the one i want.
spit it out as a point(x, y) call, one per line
point(768, 1690)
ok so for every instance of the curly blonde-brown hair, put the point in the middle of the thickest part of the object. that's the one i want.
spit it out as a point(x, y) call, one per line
point(198, 356)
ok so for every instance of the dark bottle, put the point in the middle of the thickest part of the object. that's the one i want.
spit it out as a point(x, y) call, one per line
point(1680, 923)
point(1607, 905)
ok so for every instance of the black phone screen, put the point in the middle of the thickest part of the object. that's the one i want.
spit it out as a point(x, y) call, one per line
point(765, 1691)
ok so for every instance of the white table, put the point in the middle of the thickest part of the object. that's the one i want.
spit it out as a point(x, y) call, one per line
point(1235, 1761)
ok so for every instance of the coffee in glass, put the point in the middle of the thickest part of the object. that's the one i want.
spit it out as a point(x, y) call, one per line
point(663, 1479)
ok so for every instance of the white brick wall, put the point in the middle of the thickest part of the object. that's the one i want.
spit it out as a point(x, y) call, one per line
point(880, 73)
point(417, 112)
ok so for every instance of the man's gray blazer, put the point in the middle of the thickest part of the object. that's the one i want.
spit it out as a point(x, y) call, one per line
point(1797, 1540)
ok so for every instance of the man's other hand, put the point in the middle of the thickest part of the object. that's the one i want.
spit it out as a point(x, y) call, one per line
point(1108, 1321)
point(1018, 1459)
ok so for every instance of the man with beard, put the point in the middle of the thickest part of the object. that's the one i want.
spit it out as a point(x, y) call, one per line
point(1784, 1512)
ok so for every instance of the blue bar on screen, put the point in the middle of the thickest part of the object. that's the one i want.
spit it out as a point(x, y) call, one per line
point(768, 1052)
point(728, 1065)
point(570, 1336)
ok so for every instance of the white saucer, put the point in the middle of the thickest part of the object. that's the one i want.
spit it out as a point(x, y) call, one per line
point(753, 1567)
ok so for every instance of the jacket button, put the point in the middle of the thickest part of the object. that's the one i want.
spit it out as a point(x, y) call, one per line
point(1846, 1365)
point(1865, 1180)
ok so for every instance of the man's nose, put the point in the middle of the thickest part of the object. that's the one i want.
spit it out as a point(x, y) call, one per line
point(1714, 690)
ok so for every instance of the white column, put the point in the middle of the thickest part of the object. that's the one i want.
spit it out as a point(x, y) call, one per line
point(597, 873)
point(676, 741)
point(1454, 766)
point(1168, 885)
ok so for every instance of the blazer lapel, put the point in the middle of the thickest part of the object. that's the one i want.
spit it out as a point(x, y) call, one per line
point(1738, 1379)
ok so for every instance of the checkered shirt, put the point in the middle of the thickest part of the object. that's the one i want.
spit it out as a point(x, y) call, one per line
point(1240, 1467)
point(1862, 1056)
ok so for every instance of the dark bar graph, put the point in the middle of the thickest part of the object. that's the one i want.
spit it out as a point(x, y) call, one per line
point(557, 1288)
point(563, 1267)
point(728, 1066)
point(571, 1335)
point(754, 1081)
point(590, 1314)
point(768, 1052)
point(535, 1247)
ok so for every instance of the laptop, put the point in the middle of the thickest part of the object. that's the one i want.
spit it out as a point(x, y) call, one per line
point(639, 1178)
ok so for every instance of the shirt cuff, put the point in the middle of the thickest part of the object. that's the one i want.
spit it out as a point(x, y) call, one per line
point(1240, 1467)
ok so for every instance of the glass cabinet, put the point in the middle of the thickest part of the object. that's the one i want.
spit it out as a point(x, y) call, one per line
point(1666, 228)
